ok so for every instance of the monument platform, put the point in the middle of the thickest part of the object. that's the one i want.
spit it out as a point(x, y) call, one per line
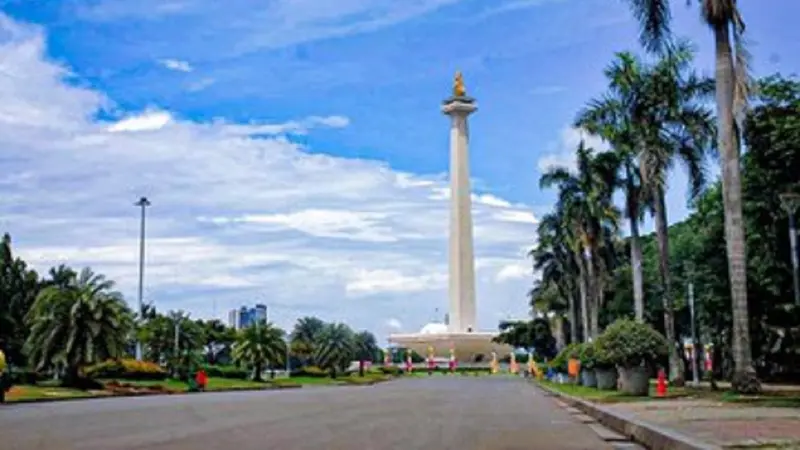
point(467, 345)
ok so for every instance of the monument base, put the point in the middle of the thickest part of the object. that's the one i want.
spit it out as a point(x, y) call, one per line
point(469, 347)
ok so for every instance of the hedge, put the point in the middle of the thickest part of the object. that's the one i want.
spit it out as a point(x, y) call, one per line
point(311, 372)
point(129, 369)
point(231, 372)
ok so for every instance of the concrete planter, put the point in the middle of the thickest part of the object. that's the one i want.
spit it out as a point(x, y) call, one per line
point(588, 379)
point(634, 380)
point(606, 378)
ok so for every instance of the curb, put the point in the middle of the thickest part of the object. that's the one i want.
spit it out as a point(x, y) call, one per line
point(651, 436)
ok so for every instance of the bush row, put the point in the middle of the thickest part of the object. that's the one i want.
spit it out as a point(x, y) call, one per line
point(126, 368)
point(624, 343)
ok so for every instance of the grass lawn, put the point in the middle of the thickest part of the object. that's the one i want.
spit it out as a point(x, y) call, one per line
point(598, 396)
point(51, 390)
point(27, 392)
point(789, 399)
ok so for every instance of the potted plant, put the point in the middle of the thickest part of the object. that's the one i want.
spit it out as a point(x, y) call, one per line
point(586, 355)
point(604, 370)
point(633, 347)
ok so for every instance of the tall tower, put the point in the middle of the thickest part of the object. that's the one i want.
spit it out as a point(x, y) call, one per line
point(462, 261)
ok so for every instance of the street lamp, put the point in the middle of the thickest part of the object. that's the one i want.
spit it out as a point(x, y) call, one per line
point(142, 203)
point(790, 202)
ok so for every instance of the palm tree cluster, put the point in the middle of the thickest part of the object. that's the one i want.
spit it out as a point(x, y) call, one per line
point(653, 115)
point(65, 322)
point(332, 346)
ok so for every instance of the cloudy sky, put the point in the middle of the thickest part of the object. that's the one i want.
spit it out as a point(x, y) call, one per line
point(294, 150)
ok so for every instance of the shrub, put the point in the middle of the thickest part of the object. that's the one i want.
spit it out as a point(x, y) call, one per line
point(561, 362)
point(586, 355)
point(23, 376)
point(310, 371)
point(391, 370)
point(126, 368)
point(628, 343)
point(231, 372)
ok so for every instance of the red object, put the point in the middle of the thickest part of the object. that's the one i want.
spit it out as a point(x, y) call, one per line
point(661, 384)
point(452, 365)
point(201, 378)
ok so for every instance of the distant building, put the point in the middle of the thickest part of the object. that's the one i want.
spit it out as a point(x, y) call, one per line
point(245, 317)
point(234, 319)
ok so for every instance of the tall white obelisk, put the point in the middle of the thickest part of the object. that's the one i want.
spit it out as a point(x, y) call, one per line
point(462, 260)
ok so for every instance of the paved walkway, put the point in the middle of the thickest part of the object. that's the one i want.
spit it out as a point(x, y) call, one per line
point(457, 413)
point(723, 424)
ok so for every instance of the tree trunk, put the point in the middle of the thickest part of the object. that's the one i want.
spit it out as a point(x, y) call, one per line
point(592, 285)
point(257, 374)
point(600, 296)
point(728, 143)
point(584, 296)
point(361, 367)
point(636, 269)
point(573, 318)
point(675, 372)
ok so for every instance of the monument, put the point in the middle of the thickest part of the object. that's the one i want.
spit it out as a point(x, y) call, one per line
point(459, 334)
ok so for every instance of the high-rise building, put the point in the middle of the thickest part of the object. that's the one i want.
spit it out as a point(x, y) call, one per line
point(234, 319)
point(244, 317)
point(260, 313)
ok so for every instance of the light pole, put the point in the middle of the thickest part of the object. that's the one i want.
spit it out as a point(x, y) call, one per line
point(790, 202)
point(693, 323)
point(143, 203)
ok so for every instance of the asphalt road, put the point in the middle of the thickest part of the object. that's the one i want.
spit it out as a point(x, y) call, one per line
point(456, 413)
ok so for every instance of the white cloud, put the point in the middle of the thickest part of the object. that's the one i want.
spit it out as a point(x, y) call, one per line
point(514, 271)
point(148, 121)
point(394, 324)
point(176, 65)
point(239, 213)
point(562, 152)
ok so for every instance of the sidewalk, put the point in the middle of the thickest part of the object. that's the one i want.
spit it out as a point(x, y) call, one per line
point(723, 424)
point(693, 418)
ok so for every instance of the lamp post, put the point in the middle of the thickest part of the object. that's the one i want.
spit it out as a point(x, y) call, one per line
point(790, 202)
point(143, 203)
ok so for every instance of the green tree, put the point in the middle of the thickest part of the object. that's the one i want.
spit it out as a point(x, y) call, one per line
point(655, 111)
point(334, 348)
point(366, 348)
point(732, 90)
point(77, 325)
point(555, 258)
point(259, 345)
point(585, 199)
point(19, 286)
point(304, 337)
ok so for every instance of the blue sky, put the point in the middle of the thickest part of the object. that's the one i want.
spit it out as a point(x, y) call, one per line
point(294, 150)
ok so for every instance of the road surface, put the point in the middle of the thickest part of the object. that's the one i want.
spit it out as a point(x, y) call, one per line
point(455, 413)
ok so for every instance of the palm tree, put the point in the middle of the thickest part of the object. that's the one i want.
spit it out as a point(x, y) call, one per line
point(653, 113)
point(588, 210)
point(259, 345)
point(613, 117)
point(77, 325)
point(366, 347)
point(304, 336)
point(732, 89)
point(553, 258)
point(335, 348)
point(546, 301)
